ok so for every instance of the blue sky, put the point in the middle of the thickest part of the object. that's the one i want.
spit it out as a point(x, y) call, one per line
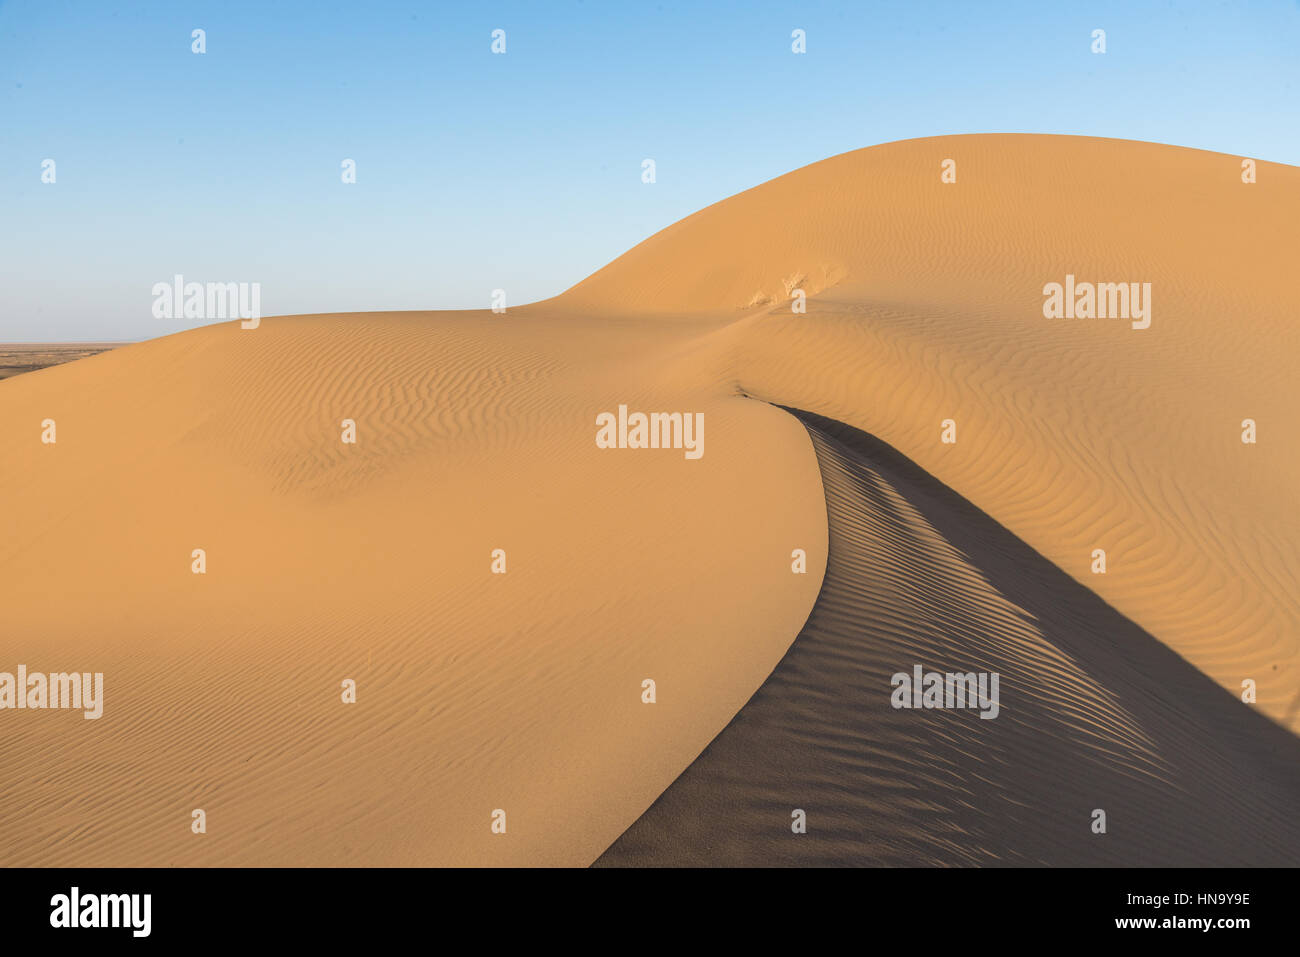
point(522, 171)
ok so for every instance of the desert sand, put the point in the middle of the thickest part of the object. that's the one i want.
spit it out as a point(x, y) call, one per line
point(522, 691)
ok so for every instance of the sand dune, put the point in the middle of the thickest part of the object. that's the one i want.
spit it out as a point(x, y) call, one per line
point(522, 691)
point(325, 561)
point(1075, 434)
point(1099, 715)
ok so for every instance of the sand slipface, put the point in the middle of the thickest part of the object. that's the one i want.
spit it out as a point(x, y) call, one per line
point(1091, 715)
point(522, 692)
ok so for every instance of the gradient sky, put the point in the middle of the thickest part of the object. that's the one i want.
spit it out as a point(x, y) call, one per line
point(523, 171)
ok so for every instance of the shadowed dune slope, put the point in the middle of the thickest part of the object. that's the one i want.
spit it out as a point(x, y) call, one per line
point(1094, 714)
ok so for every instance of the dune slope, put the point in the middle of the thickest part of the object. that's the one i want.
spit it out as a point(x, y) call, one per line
point(373, 562)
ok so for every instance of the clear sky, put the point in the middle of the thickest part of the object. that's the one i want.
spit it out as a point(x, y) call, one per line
point(522, 171)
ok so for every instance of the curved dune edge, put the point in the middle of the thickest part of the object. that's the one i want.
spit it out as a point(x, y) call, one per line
point(1094, 714)
point(474, 691)
point(1077, 434)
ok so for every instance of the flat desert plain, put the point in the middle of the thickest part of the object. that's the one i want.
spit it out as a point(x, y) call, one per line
point(17, 358)
point(912, 453)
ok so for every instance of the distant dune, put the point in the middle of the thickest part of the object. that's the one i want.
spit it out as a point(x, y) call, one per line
point(523, 691)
